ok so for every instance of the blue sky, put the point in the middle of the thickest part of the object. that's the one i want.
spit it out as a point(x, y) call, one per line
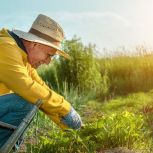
point(106, 23)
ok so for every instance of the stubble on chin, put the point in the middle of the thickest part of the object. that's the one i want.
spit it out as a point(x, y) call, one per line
point(34, 66)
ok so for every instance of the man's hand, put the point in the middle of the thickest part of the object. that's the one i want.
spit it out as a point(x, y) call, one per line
point(72, 119)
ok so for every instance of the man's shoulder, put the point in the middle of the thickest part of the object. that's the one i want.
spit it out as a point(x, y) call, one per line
point(5, 38)
point(9, 48)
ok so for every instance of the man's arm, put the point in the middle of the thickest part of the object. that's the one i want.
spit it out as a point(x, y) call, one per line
point(15, 76)
point(34, 75)
point(72, 119)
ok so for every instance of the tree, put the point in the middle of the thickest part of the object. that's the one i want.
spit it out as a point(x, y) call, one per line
point(82, 70)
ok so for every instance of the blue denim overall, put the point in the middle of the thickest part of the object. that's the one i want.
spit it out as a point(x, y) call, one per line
point(13, 109)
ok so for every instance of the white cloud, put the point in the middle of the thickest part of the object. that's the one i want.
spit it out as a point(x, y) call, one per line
point(81, 17)
point(105, 29)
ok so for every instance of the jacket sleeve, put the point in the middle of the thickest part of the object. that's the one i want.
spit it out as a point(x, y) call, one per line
point(34, 75)
point(14, 74)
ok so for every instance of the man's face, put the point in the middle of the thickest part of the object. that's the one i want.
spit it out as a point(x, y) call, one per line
point(40, 54)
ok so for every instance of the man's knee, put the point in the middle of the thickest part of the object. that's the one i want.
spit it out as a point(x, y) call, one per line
point(15, 108)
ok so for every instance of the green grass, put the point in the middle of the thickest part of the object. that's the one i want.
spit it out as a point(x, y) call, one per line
point(128, 74)
point(120, 122)
point(132, 102)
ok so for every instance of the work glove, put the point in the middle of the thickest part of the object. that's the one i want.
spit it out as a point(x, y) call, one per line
point(72, 119)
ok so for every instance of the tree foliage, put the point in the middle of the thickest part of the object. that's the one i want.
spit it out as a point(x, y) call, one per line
point(81, 70)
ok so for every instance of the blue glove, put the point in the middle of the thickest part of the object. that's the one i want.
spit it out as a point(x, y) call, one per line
point(72, 119)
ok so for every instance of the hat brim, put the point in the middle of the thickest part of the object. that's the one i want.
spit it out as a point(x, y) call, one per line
point(33, 38)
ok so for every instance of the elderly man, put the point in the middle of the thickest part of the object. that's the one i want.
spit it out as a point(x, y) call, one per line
point(20, 86)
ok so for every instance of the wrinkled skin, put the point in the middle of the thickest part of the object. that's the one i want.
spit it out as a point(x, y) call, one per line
point(38, 53)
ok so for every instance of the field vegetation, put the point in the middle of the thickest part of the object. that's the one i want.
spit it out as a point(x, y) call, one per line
point(113, 95)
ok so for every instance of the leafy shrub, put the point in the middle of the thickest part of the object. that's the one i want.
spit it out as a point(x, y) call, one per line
point(49, 75)
point(82, 70)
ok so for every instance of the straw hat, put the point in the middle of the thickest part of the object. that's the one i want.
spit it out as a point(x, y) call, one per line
point(46, 31)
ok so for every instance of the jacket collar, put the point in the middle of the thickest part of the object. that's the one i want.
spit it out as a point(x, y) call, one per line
point(18, 41)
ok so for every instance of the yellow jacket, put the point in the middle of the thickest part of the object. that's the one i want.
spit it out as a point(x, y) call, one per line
point(17, 75)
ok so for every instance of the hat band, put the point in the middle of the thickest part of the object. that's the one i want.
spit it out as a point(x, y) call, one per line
point(42, 35)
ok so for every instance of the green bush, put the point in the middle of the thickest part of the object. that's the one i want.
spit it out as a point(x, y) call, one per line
point(49, 75)
point(82, 70)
